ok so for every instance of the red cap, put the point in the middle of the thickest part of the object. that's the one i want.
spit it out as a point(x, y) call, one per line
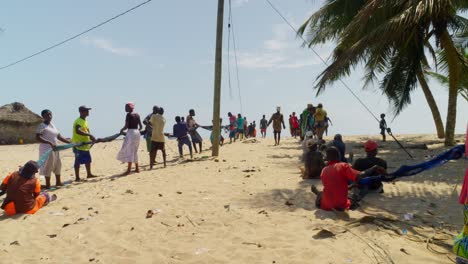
point(370, 145)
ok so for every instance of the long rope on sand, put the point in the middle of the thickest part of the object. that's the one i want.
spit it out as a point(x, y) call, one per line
point(410, 170)
point(43, 158)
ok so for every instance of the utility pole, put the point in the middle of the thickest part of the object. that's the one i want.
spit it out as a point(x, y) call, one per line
point(217, 80)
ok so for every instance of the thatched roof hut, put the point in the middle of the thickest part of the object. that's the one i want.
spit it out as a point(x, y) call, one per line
point(17, 122)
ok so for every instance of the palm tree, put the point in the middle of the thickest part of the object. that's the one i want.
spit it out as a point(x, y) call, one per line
point(390, 38)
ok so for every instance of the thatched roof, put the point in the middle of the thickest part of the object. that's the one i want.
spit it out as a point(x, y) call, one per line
point(18, 113)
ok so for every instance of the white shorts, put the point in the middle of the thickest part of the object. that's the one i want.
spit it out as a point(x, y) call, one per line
point(52, 165)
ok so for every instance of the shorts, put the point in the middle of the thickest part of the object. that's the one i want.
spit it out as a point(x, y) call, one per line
point(52, 165)
point(82, 157)
point(382, 131)
point(319, 124)
point(263, 130)
point(232, 134)
point(157, 146)
point(148, 144)
point(196, 138)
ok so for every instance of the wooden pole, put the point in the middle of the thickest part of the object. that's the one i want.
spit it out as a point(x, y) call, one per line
point(217, 79)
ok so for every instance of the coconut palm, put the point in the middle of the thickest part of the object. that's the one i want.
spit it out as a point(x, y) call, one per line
point(390, 38)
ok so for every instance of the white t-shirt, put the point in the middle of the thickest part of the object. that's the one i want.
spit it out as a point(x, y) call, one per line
point(49, 133)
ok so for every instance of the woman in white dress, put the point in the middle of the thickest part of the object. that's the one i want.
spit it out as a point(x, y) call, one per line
point(129, 151)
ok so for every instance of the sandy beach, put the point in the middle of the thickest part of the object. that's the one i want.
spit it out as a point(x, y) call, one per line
point(250, 205)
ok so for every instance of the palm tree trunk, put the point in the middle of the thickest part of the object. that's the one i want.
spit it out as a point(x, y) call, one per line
point(432, 105)
point(454, 69)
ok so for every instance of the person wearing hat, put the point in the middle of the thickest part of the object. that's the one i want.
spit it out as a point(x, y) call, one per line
point(23, 191)
point(278, 120)
point(48, 136)
point(335, 178)
point(81, 134)
point(369, 161)
point(129, 151)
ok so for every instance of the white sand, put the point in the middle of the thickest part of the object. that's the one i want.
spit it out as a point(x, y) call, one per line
point(210, 211)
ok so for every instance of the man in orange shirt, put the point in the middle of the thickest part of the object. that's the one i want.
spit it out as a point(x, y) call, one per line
point(335, 177)
point(23, 191)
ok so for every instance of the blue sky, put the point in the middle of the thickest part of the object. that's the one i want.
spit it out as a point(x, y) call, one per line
point(163, 54)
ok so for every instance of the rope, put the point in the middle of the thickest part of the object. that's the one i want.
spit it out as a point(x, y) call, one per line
point(235, 59)
point(75, 36)
point(326, 64)
point(229, 50)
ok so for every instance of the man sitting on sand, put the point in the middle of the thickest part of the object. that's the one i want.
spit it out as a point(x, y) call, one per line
point(23, 191)
point(335, 177)
point(338, 143)
point(313, 161)
point(368, 162)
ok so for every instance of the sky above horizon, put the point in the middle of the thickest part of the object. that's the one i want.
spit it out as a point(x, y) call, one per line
point(163, 54)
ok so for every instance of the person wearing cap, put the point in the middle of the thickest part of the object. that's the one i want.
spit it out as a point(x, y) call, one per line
point(335, 177)
point(129, 151)
point(192, 126)
point(23, 191)
point(82, 135)
point(369, 161)
point(48, 136)
point(278, 120)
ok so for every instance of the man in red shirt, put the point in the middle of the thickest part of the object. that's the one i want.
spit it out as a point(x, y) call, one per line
point(335, 177)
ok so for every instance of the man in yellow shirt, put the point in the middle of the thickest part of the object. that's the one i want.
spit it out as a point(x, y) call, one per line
point(320, 116)
point(81, 134)
point(158, 122)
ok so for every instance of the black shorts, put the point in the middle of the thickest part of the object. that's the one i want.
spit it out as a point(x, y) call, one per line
point(157, 145)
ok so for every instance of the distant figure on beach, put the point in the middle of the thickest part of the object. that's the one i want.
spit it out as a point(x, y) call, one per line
point(240, 127)
point(368, 162)
point(319, 121)
point(23, 191)
point(48, 135)
point(232, 127)
point(383, 127)
point(263, 126)
point(81, 134)
point(278, 120)
point(294, 125)
point(180, 131)
point(158, 140)
point(335, 177)
point(290, 125)
point(338, 143)
point(328, 122)
point(129, 151)
point(221, 138)
point(192, 126)
point(254, 129)
point(307, 120)
point(313, 161)
point(246, 129)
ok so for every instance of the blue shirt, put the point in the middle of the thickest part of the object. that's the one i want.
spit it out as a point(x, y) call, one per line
point(180, 130)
